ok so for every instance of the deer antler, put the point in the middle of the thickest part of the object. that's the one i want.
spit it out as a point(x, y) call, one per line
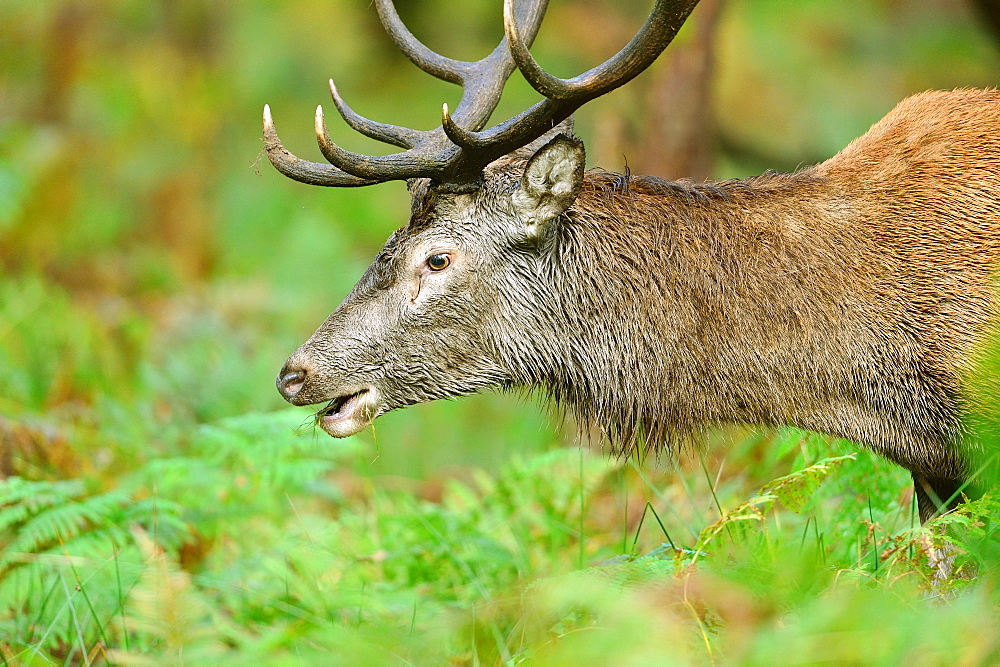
point(456, 152)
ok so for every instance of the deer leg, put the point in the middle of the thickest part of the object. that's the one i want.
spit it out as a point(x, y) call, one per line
point(935, 496)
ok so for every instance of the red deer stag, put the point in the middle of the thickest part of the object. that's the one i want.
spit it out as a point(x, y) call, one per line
point(849, 298)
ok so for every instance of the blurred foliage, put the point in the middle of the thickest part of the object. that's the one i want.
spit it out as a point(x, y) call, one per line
point(159, 505)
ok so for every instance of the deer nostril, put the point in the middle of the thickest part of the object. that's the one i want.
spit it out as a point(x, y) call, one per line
point(289, 384)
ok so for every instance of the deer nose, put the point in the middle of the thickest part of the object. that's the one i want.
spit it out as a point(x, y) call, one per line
point(290, 381)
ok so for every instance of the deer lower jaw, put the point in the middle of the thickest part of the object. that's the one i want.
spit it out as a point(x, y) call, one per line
point(349, 413)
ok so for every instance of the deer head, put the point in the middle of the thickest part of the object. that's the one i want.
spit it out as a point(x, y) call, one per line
point(445, 308)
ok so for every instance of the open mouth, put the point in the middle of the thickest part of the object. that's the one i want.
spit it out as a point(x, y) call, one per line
point(348, 414)
point(341, 407)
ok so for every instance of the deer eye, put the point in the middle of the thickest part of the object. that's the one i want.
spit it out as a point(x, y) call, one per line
point(438, 262)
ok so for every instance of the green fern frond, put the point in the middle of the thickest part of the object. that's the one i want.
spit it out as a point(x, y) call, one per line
point(21, 498)
point(39, 517)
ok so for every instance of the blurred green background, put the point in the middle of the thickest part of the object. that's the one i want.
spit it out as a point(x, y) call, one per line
point(156, 271)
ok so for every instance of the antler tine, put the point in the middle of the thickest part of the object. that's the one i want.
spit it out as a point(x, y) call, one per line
point(429, 61)
point(303, 171)
point(458, 134)
point(408, 164)
point(403, 137)
point(656, 33)
point(512, 133)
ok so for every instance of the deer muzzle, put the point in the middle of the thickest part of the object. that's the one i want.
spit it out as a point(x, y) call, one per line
point(348, 410)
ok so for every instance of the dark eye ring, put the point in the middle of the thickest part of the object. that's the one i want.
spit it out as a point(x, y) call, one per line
point(438, 262)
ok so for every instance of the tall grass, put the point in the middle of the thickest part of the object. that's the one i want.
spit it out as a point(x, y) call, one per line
point(260, 543)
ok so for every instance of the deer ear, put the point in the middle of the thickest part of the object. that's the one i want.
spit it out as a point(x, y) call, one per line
point(551, 181)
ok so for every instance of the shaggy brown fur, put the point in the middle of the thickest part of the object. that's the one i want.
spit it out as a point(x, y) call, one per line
point(848, 298)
